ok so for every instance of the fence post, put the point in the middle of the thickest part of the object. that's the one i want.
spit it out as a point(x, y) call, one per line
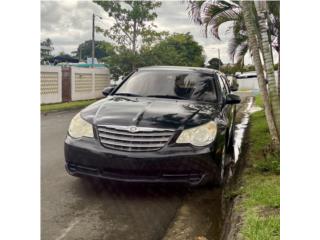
point(66, 84)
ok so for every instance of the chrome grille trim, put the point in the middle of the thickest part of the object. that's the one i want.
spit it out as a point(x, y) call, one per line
point(130, 139)
point(137, 145)
point(141, 140)
point(141, 134)
point(141, 129)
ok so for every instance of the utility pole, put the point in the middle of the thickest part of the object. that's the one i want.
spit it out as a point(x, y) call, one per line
point(79, 53)
point(219, 58)
point(93, 49)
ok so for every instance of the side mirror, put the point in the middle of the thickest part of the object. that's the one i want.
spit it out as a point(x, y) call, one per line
point(232, 99)
point(234, 87)
point(107, 91)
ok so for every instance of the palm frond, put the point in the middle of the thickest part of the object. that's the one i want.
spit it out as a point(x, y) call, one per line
point(235, 45)
point(211, 14)
point(242, 51)
point(214, 14)
point(194, 10)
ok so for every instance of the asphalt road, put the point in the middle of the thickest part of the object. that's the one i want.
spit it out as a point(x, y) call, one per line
point(74, 208)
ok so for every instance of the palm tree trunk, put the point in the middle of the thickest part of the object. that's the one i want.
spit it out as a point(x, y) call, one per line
point(134, 43)
point(279, 67)
point(250, 23)
point(268, 62)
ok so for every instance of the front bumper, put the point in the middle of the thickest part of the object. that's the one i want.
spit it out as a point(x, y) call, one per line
point(176, 163)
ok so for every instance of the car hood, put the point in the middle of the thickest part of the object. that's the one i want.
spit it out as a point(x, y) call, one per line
point(149, 112)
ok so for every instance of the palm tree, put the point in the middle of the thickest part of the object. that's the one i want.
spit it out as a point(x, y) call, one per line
point(212, 14)
point(252, 33)
point(262, 12)
point(47, 42)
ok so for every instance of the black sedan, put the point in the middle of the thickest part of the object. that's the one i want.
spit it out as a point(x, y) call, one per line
point(161, 124)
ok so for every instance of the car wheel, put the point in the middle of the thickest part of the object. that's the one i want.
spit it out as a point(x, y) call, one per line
point(218, 177)
point(222, 166)
point(230, 149)
point(222, 173)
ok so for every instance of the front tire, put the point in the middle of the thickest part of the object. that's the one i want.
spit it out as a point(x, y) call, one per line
point(218, 177)
point(224, 166)
point(230, 148)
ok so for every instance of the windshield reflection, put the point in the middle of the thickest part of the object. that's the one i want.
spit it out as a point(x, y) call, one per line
point(189, 85)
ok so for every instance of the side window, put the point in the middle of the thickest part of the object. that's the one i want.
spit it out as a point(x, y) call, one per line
point(226, 83)
point(223, 87)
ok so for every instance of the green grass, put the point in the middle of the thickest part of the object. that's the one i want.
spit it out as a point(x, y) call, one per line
point(66, 106)
point(260, 228)
point(260, 188)
point(259, 101)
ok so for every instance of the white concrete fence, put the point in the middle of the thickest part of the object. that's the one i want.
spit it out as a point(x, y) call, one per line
point(51, 84)
point(88, 83)
point(84, 83)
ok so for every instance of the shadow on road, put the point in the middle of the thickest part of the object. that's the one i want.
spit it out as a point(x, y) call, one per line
point(87, 187)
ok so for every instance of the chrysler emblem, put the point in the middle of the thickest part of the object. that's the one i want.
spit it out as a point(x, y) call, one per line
point(133, 129)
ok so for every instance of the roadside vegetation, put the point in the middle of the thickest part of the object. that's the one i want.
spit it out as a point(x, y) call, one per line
point(258, 191)
point(138, 43)
point(256, 30)
point(66, 106)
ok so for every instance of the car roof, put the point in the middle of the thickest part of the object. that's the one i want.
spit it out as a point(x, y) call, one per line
point(179, 68)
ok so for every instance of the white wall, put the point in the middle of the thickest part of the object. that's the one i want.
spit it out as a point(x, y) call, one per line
point(51, 84)
point(88, 83)
point(248, 84)
point(251, 83)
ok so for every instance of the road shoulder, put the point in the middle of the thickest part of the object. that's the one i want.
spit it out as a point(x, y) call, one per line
point(57, 107)
point(256, 206)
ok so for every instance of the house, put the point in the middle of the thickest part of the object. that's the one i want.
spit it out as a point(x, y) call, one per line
point(46, 51)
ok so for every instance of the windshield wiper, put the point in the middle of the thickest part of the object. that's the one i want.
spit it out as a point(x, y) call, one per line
point(167, 96)
point(127, 94)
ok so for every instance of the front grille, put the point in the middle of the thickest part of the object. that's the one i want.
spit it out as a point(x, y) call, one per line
point(141, 140)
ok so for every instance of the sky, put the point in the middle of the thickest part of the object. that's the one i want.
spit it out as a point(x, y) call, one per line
point(69, 23)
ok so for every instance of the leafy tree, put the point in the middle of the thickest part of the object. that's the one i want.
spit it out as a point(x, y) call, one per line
point(176, 49)
point(133, 22)
point(62, 53)
point(120, 62)
point(231, 69)
point(46, 50)
point(215, 63)
point(102, 49)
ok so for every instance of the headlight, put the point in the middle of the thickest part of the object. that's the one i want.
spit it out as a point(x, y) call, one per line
point(80, 128)
point(199, 136)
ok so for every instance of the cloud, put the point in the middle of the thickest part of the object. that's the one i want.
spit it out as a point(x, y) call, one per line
point(69, 23)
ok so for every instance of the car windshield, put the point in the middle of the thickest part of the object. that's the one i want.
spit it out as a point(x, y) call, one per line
point(189, 85)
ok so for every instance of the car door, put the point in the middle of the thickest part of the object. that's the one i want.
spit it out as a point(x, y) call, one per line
point(228, 110)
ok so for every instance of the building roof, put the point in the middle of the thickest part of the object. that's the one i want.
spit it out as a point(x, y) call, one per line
point(46, 48)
